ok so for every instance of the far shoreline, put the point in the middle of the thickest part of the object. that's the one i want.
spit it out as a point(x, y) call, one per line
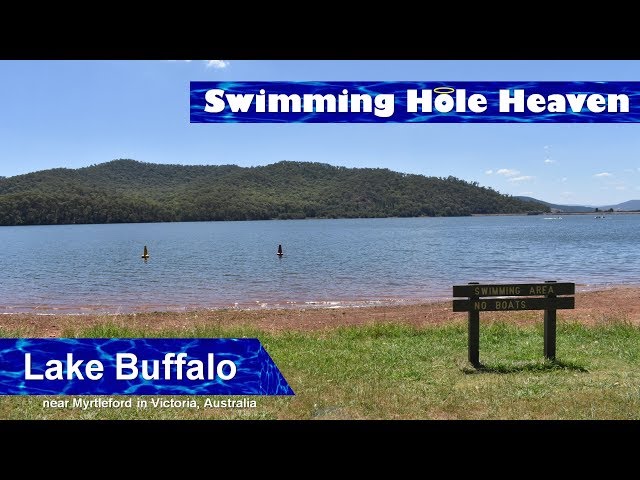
point(601, 213)
point(521, 214)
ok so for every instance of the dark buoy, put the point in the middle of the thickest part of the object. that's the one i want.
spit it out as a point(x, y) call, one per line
point(145, 254)
point(280, 254)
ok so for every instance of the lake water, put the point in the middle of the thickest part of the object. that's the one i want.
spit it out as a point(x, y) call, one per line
point(98, 268)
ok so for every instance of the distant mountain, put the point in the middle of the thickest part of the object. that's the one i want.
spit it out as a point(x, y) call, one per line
point(627, 206)
point(558, 208)
point(129, 191)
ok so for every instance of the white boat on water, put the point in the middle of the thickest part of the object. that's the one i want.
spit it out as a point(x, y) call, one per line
point(553, 218)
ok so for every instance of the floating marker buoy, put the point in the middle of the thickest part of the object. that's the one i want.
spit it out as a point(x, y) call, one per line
point(145, 254)
point(280, 251)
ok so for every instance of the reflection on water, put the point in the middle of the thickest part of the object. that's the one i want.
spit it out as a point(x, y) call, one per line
point(328, 263)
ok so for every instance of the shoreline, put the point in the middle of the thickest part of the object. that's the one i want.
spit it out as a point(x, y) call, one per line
point(617, 304)
point(520, 214)
point(258, 305)
point(606, 213)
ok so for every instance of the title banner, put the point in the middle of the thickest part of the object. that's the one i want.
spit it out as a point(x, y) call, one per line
point(138, 366)
point(415, 102)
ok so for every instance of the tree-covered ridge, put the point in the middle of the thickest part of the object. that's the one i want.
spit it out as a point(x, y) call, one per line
point(130, 191)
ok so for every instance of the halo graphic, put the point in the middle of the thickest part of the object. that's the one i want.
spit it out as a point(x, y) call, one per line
point(444, 90)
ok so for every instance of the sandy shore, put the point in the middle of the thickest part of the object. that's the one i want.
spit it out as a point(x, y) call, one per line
point(618, 304)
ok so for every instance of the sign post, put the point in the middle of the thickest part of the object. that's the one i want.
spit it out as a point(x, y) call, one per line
point(512, 297)
point(474, 332)
point(550, 329)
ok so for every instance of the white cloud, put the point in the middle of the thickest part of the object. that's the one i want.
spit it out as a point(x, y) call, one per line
point(216, 64)
point(488, 172)
point(508, 172)
point(521, 178)
point(563, 179)
point(548, 161)
point(621, 187)
point(603, 174)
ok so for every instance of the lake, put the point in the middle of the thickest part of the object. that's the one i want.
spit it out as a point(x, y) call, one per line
point(98, 268)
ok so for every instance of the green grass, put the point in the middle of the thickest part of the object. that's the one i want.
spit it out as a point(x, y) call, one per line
point(399, 372)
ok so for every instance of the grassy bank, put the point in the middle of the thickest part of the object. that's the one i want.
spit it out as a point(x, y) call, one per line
point(402, 372)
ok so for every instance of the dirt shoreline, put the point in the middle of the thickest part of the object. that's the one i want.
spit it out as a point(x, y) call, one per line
point(617, 304)
point(601, 212)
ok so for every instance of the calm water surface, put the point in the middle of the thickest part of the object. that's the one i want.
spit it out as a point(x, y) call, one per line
point(97, 268)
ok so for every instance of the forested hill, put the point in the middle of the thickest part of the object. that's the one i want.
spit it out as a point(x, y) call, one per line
point(131, 191)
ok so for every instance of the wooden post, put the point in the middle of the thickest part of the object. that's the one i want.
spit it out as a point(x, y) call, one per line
point(550, 329)
point(474, 331)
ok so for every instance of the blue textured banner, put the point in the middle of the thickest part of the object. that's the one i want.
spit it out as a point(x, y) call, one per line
point(415, 102)
point(138, 366)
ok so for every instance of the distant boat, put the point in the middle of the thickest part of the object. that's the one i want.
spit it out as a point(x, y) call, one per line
point(599, 216)
point(145, 254)
point(553, 218)
point(280, 251)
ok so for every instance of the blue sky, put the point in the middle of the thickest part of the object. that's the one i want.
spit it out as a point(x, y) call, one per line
point(77, 113)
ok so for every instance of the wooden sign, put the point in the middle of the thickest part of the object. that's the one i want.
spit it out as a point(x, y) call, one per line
point(513, 297)
point(511, 304)
point(514, 290)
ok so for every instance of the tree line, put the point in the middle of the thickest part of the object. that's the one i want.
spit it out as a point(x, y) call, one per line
point(124, 191)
